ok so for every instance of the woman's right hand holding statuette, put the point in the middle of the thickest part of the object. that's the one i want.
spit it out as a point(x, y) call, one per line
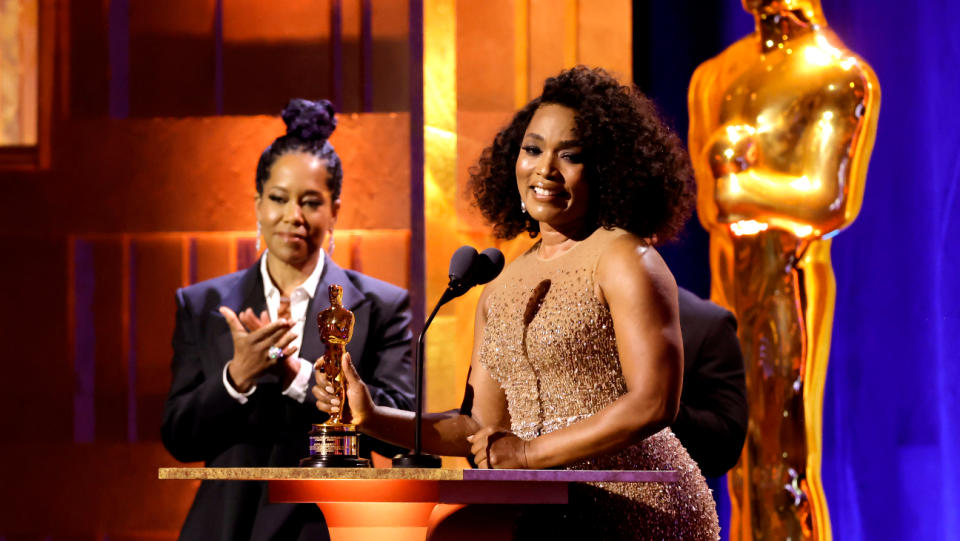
point(359, 407)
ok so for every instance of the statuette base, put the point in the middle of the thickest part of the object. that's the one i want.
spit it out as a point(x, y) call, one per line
point(334, 445)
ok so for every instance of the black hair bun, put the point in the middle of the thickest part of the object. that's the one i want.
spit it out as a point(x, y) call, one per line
point(309, 120)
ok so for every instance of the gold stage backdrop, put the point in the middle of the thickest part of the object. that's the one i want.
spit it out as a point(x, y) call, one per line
point(782, 124)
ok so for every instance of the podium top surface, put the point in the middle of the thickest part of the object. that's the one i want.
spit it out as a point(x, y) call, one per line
point(419, 474)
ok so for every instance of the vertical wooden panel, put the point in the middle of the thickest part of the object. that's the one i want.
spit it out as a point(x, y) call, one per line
point(172, 17)
point(547, 23)
point(570, 27)
point(343, 248)
point(440, 182)
point(18, 66)
point(386, 255)
point(127, 331)
point(156, 267)
point(83, 338)
point(606, 36)
point(47, 71)
point(106, 319)
point(476, 131)
point(214, 255)
point(245, 252)
point(187, 256)
point(37, 351)
point(294, 20)
point(88, 59)
point(118, 27)
point(375, 150)
point(391, 56)
point(366, 55)
point(274, 51)
point(218, 57)
point(172, 58)
point(417, 222)
point(521, 53)
point(484, 81)
point(29, 71)
point(351, 21)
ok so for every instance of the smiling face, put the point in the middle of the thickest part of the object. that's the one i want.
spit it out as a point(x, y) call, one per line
point(550, 170)
point(295, 210)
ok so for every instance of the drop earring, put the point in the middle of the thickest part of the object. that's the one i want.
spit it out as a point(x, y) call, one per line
point(331, 245)
point(259, 232)
point(523, 207)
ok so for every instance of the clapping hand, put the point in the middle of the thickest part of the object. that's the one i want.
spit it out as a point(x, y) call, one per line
point(253, 341)
point(494, 448)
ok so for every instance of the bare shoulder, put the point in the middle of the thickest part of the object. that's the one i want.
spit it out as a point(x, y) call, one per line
point(627, 254)
point(631, 266)
point(483, 303)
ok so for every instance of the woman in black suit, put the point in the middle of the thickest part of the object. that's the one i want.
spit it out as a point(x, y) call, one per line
point(244, 343)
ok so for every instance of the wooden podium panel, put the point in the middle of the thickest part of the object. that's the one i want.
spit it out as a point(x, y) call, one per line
point(397, 503)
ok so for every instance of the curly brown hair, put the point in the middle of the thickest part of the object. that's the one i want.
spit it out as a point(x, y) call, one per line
point(637, 168)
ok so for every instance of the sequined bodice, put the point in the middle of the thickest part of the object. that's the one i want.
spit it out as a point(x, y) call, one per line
point(549, 341)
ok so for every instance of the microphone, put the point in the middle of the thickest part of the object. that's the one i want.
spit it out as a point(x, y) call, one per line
point(488, 265)
point(461, 265)
point(467, 269)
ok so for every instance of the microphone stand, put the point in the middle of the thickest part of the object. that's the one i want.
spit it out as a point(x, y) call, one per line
point(417, 459)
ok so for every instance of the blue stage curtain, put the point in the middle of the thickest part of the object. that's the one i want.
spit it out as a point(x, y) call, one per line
point(892, 405)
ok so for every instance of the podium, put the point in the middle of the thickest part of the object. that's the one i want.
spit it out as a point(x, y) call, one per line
point(401, 503)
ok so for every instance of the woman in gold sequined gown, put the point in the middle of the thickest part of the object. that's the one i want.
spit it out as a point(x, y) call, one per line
point(577, 358)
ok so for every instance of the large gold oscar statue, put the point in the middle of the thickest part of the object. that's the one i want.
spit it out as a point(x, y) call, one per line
point(782, 124)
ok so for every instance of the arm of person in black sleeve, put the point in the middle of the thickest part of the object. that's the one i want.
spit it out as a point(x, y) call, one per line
point(391, 379)
point(199, 417)
point(712, 419)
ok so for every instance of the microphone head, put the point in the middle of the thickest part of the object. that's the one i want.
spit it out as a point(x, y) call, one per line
point(488, 265)
point(461, 262)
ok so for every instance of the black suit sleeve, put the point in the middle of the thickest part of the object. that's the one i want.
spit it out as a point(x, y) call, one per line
point(712, 419)
point(390, 378)
point(199, 418)
point(387, 365)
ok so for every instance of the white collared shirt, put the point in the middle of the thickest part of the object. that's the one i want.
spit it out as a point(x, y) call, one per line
point(299, 302)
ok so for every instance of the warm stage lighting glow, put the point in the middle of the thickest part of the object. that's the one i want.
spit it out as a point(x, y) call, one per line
point(747, 227)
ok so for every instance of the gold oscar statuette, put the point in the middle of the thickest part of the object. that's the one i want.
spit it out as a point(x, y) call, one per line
point(782, 124)
point(334, 443)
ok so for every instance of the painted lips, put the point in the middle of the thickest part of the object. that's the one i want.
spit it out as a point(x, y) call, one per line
point(290, 237)
point(547, 194)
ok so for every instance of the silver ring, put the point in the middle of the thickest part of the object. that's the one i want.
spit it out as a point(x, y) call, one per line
point(274, 353)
